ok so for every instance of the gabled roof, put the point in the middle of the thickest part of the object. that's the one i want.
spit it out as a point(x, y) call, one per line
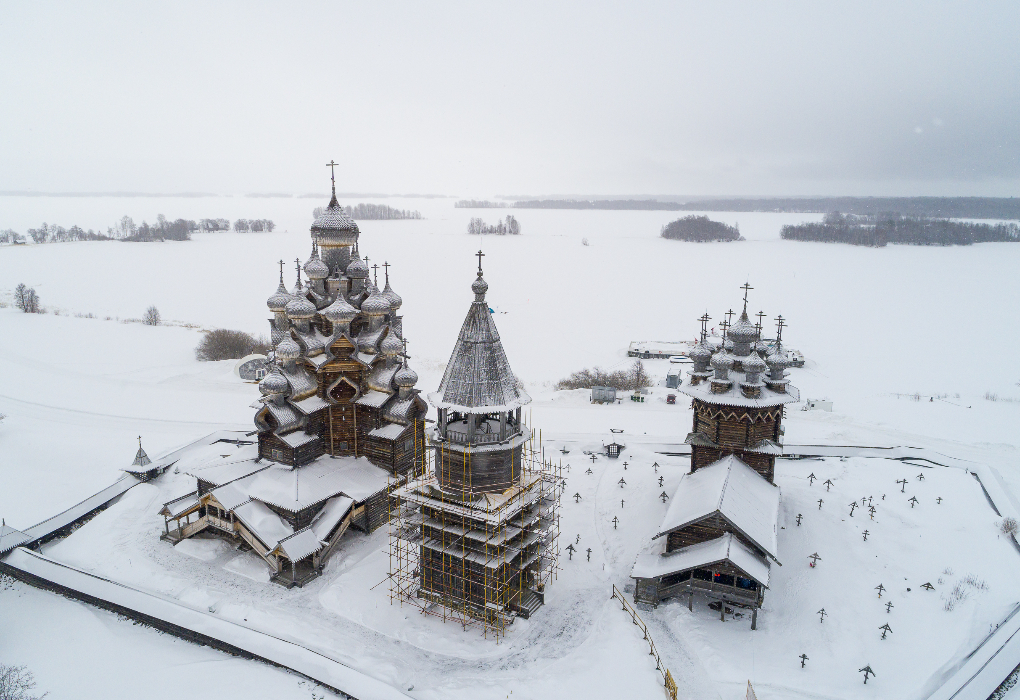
point(652, 562)
point(11, 538)
point(735, 491)
point(478, 378)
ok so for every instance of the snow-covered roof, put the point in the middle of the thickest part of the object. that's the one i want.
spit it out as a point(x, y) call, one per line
point(330, 516)
point(733, 397)
point(11, 538)
point(373, 398)
point(263, 523)
point(231, 495)
point(297, 438)
point(224, 470)
point(390, 431)
point(284, 415)
point(294, 489)
point(478, 378)
point(735, 491)
point(652, 562)
point(299, 545)
point(310, 405)
point(178, 506)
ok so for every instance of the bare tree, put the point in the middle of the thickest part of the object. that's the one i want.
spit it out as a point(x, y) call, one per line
point(16, 682)
point(152, 317)
point(26, 299)
point(223, 344)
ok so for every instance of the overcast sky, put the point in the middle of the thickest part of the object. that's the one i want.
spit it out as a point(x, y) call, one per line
point(483, 98)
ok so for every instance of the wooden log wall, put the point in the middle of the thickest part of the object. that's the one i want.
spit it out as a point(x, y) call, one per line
point(478, 472)
point(761, 463)
point(710, 528)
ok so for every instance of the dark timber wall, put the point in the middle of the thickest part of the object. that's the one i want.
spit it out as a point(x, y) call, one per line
point(478, 472)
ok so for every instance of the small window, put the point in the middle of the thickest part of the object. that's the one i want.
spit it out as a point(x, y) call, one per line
point(673, 579)
point(342, 446)
point(702, 574)
point(746, 583)
point(724, 579)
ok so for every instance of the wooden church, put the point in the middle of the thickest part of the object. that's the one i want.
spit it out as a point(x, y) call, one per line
point(338, 423)
point(719, 537)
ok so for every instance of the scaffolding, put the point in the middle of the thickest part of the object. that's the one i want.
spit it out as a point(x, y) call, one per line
point(475, 558)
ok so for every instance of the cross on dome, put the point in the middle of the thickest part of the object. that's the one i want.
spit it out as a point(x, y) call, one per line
point(746, 287)
point(332, 174)
point(480, 255)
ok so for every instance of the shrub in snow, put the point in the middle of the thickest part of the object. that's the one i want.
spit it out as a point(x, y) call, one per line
point(151, 317)
point(961, 591)
point(26, 299)
point(621, 380)
point(1008, 526)
point(700, 229)
point(16, 683)
point(222, 344)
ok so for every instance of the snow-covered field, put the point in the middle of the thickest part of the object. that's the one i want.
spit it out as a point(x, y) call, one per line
point(872, 323)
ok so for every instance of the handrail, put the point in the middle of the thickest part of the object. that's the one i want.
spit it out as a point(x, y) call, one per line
point(667, 677)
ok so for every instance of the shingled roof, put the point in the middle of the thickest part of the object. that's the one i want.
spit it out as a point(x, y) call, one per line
point(478, 378)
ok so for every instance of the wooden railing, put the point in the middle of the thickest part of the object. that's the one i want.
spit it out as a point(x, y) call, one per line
point(667, 677)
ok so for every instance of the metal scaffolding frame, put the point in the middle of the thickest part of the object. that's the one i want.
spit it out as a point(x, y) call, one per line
point(477, 560)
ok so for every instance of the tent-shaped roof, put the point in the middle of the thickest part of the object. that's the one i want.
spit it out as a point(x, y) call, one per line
point(735, 491)
point(478, 378)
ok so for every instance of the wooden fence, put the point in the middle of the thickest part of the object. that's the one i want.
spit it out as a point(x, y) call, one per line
point(667, 677)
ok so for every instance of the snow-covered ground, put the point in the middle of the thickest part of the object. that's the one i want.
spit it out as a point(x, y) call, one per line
point(872, 323)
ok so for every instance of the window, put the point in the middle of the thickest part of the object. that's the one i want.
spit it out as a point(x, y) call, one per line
point(277, 454)
point(673, 579)
point(342, 446)
point(702, 574)
point(746, 583)
point(724, 579)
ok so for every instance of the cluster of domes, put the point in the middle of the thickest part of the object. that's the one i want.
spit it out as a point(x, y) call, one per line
point(300, 309)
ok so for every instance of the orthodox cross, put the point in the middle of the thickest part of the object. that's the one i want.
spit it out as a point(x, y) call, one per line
point(663, 497)
point(624, 467)
point(866, 533)
point(729, 316)
point(811, 477)
point(297, 265)
point(819, 504)
point(705, 318)
point(872, 510)
point(480, 255)
point(589, 553)
point(746, 287)
point(852, 506)
point(821, 615)
point(828, 483)
point(386, 265)
point(886, 629)
point(913, 501)
point(939, 500)
point(724, 325)
point(375, 274)
point(814, 558)
point(139, 442)
point(589, 471)
point(660, 481)
point(655, 465)
point(571, 549)
point(593, 458)
point(867, 671)
point(405, 341)
point(621, 482)
point(332, 174)
point(920, 477)
point(577, 498)
point(615, 521)
point(928, 586)
point(366, 261)
point(803, 658)
point(889, 606)
point(880, 588)
point(758, 326)
point(903, 488)
point(799, 516)
point(281, 270)
point(621, 501)
point(781, 323)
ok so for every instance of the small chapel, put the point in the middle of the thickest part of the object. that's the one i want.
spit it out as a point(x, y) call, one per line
point(339, 422)
point(719, 537)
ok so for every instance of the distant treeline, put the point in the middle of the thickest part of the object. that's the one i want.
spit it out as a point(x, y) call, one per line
point(126, 230)
point(700, 229)
point(880, 230)
point(931, 207)
point(481, 204)
point(373, 212)
point(507, 227)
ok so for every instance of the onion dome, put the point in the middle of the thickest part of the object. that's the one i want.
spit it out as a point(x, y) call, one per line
point(278, 302)
point(721, 360)
point(274, 383)
point(376, 304)
point(300, 309)
point(392, 297)
point(333, 226)
point(340, 311)
point(315, 269)
point(405, 378)
point(288, 350)
point(743, 331)
point(391, 345)
point(357, 269)
point(701, 353)
point(777, 362)
point(479, 287)
point(754, 364)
